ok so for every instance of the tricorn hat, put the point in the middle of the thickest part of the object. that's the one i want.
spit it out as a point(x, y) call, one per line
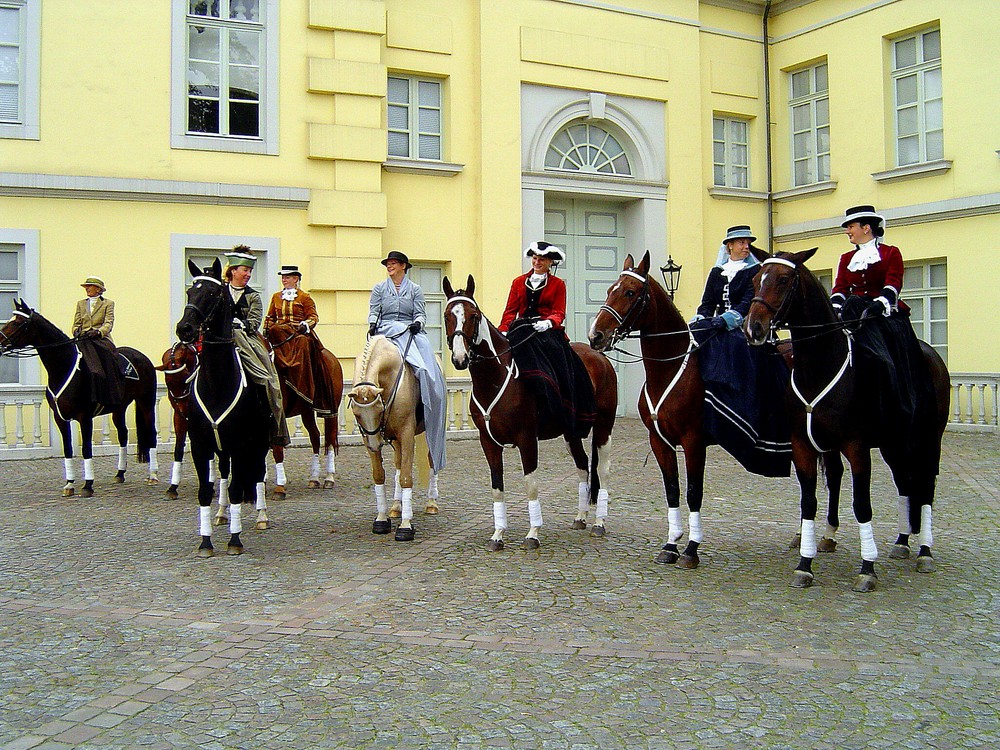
point(399, 257)
point(739, 232)
point(94, 281)
point(545, 249)
point(290, 271)
point(864, 214)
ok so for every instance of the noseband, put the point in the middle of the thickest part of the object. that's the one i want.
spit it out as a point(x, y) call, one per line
point(626, 323)
point(469, 341)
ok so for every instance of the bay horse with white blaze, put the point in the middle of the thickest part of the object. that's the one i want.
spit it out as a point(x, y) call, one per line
point(825, 400)
point(384, 401)
point(506, 415)
point(228, 415)
point(69, 394)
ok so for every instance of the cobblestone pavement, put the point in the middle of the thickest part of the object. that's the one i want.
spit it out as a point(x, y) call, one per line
point(324, 635)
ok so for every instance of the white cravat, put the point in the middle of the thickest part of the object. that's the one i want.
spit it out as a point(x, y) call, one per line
point(864, 256)
point(732, 267)
point(289, 295)
point(536, 280)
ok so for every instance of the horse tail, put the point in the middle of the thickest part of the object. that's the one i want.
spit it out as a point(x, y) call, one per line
point(145, 407)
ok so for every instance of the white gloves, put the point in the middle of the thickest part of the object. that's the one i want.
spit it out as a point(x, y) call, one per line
point(304, 326)
point(238, 323)
point(886, 305)
point(542, 325)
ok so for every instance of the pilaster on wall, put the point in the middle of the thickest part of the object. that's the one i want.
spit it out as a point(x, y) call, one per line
point(353, 141)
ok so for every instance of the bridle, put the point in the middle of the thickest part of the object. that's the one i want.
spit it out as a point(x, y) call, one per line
point(626, 323)
point(177, 398)
point(386, 404)
point(779, 313)
point(476, 318)
point(203, 317)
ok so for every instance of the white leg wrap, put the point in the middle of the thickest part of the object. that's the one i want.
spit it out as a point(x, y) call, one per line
point(70, 469)
point(676, 531)
point(807, 546)
point(279, 474)
point(381, 506)
point(926, 527)
point(406, 513)
point(432, 487)
point(535, 513)
point(314, 467)
point(331, 462)
point(397, 493)
point(602, 503)
point(236, 518)
point(211, 471)
point(500, 516)
point(903, 509)
point(694, 519)
point(154, 465)
point(261, 502)
point(88, 469)
point(869, 551)
point(175, 473)
point(122, 458)
point(223, 492)
point(205, 520)
point(583, 502)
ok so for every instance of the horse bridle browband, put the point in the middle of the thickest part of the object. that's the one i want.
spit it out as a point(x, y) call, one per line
point(626, 322)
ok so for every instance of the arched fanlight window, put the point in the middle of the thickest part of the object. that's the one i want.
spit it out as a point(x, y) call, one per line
point(583, 147)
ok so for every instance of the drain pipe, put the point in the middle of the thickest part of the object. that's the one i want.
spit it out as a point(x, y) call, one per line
point(767, 129)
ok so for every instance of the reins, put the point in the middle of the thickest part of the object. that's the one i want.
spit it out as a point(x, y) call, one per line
point(386, 403)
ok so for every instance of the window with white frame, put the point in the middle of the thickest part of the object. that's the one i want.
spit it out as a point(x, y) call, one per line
point(731, 152)
point(925, 290)
point(225, 82)
point(415, 114)
point(20, 37)
point(809, 102)
point(11, 287)
point(585, 147)
point(918, 100)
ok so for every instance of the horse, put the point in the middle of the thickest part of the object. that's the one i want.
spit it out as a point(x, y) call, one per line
point(384, 400)
point(825, 403)
point(228, 415)
point(672, 401)
point(297, 404)
point(69, 395)
point(511, 417)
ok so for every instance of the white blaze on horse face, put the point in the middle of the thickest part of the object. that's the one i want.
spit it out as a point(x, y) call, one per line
point(459, 354)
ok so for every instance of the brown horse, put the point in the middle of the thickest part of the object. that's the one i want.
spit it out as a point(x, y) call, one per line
point(826, 401)
point(299, 404)
point(672, 401)
point(506, 415)
point(69, 394)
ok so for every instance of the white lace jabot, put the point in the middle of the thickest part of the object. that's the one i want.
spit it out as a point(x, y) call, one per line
point(864, 256)
point(536, 280)
point(289, 294)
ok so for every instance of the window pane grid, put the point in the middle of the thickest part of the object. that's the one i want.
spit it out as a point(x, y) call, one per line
point(583, 147)
point(809, 104)
point(926, 293)
point(415, 117)
point(11, 68)
point(918, 98)
point(730, 152)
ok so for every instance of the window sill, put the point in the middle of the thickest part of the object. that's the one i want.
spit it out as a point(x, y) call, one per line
point(806, 191)
point(738, 194)
point(416, 166)
point(231, 144)
point(924, 169)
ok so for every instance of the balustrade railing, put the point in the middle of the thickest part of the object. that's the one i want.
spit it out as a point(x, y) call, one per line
point(974, 402)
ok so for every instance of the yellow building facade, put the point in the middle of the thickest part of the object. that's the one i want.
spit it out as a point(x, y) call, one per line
point(324, 133)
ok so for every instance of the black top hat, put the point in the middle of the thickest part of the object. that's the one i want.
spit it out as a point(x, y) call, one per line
point(290, 271)
point(397, 256)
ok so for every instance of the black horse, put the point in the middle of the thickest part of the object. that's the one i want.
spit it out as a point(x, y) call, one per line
point(69, 394)
point(226, 416)
point(829, 400)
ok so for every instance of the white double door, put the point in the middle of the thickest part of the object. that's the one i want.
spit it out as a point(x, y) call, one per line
point(592, 233)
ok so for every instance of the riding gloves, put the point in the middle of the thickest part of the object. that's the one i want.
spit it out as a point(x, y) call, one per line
point(415, 327)
point(732, 319)
point(372, 328)
point(304, 326)
point(542, 325)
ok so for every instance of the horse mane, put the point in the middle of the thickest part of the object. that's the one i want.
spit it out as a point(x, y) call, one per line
point(362, 367)
point(48, 326)
point(814, 294)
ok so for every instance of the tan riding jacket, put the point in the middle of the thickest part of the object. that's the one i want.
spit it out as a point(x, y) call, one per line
point(101, 318)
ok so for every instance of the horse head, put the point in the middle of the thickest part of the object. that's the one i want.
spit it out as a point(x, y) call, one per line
point(179, 363)
point(625, 306)
point(14, 333)
point(207, 297)
point(368, 408)
point(462, 322)
point(776, 290)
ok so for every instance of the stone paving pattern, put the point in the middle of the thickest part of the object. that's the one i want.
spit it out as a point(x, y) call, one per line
point(325, 636)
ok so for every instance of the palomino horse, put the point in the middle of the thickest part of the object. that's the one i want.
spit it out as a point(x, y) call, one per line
point(826, 403)
point(298, 404)
point(511, 417)
point(228, 415)
point(384, 401)
point(69, 395)
point(672, 401)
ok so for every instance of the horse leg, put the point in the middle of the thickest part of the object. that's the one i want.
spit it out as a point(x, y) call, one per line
point(118, 419)
point(600, 459)
point(403, 450)
point(66, 433)
point(925, 560)
point(805, 459)
point(309, 422)
point(529, 465)
point(666, 459)
point(225, 469)
point(432, 507)
point(278, 453)
point(834, 469)
point(396, 510)
point(260, 505)
point(860, 459)
point(575, 446)
point(242, 487)
point(494, 457)
point(694, 464)
point(202, 460)
point(87, 449)
point(381, 524)
point(901, 548)
point(180, 437)
point(330, 440)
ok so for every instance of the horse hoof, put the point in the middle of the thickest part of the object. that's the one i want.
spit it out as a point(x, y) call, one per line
point(926, 564)
point(667, 557)
point(68, 492)
point(235, 549)
point(221, 520)
point(531, 543)
point(381, 527)
point(172, 492)
point(431, 509)
point(396, 512)
point(598, 530)
point(120, 477)
point(688, 562)
point(278, 493)
point(899, 552)
point(313, 484)
point(404, 534)
point(579, 524)
point(204, 552)
point(328, 484)
point(262, 525)
point(801, 580)
point(495, 545)
point(86, 492)
point(796, 542)
point(864, 583)
point(826, 544)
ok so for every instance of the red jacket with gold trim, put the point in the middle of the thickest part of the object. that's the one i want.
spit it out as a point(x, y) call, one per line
point(551, 305)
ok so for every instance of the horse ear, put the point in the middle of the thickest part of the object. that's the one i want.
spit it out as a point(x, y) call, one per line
point(759, 253)
point(446, 286)
point(217, 269)
point(629, 263)
point(643, 268)
point(803, 256)
point(470, 286)
point(193, 268)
